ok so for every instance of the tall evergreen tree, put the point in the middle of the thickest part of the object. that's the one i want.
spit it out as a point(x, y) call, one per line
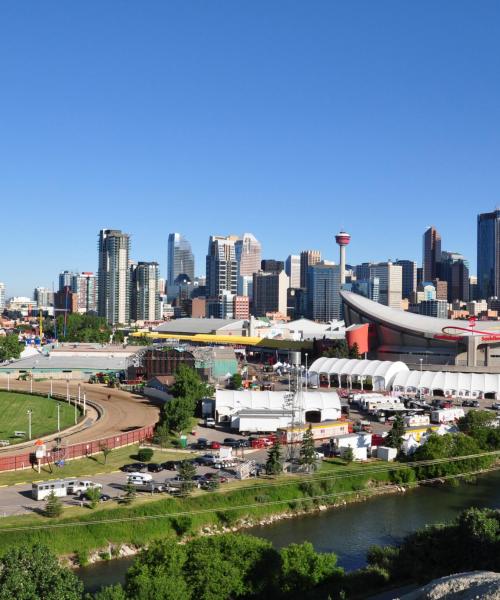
point(308, 451)
point(274, 463)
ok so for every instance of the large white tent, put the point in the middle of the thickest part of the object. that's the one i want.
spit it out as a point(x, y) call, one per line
point(461, 385)
point(345, 371)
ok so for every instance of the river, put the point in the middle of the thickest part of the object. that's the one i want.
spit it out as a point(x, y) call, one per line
point(350, 530)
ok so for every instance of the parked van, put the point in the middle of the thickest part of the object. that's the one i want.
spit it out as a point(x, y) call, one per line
point(43, 489)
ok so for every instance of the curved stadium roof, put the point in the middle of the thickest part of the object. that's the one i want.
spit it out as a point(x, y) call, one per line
point(411, 322)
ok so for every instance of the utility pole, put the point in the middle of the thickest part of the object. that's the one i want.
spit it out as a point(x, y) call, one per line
point(58, 417)
point(29, 413)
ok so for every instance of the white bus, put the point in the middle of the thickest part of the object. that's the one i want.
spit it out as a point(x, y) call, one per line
point(43, 489)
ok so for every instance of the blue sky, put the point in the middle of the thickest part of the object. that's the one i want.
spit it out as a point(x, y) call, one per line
point(286, 119)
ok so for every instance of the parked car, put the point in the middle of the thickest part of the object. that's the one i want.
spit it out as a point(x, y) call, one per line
point(202, 444)
point(319, 455)
point(169, 465)
point(209, 422)
point(210, 476)
point(495, 406)
point(102, 497)
point(155, 467)
point(214, 445)
point(472, 403)
point(231, 442)
point(134, 468)
point(206, 459)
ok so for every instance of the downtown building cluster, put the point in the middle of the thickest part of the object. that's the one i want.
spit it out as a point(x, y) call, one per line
point(238, 282)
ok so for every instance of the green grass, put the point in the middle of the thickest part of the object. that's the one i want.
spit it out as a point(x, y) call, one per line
point(14, 417)
point(91, 465)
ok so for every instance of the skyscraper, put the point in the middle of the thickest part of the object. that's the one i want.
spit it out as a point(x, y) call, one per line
point(44, 297)
point(269, 293)
point(292, 269)
point(248, 254)
point(455, 271)
point(145, 297)
point(390, 283)
point(431, 256)
point(180, 258)
point(307, 259)
point(114, 276)
point(2, 296)
point(221, 274)
point(65, 280)
point(323, 292)
point(488, 254)
point(409, 276)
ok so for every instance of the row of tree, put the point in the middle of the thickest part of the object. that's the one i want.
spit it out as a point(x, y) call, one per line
point(10, 347)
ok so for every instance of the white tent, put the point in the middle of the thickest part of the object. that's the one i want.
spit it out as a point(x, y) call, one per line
point(462, 385)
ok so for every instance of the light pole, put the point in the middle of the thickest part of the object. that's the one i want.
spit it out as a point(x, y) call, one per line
point(51, 387)
point(58, 416)
point(76, 417)
point(421, 359)
point(31, 382)
point(67, 390)
point(306, 371)
point(84, 403)
point(29, 413)
point(79, 394)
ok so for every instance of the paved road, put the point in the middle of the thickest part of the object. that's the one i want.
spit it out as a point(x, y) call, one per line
point(121, 411)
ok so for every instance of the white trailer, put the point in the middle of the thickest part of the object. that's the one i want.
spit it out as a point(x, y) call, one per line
point(43, 489)
point(416, 420)
point(447, 415)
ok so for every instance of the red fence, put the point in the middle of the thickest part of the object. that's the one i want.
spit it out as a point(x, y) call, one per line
point(24, 461)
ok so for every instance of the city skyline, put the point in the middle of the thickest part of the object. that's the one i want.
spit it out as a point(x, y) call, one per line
point(252, 118)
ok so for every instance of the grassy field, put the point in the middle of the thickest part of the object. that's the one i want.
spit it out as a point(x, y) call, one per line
point(14, 417)
point(91, 465)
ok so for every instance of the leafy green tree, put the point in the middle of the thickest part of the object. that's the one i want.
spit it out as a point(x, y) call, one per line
point(348, 455)
point(158, 573)
point(307, 450)
point(274, 463)
point(302, 568)
point(130, 494)
point(235, 382)
point(162, 435)
point(94, 495)
point(80, 328)
point(10, 347)
point(53, 506)
point(106, 451)
point(189, 385)
point(187, 471)
point(338, 349)
point(354, 351)
point(111, 592)
point(34, 573)
point(394, 438)
point(177, 414)
point(480, 424)
point(229, 566)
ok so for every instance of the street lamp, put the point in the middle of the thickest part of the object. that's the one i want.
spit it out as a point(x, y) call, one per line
point(421, 359)
point(306, 371)
point(58, 417)
point(67, 390)
point(51, 387)
point(31, 382)
point(29, 412)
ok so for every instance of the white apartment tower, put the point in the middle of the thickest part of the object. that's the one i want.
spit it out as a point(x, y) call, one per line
point(114, 276)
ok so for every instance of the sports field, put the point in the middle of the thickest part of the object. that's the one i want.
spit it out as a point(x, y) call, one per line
point(14, 415)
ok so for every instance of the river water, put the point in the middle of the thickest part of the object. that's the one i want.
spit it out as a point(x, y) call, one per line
point(350, 530)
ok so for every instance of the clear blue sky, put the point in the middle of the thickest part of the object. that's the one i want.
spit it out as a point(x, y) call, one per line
point(286, 119)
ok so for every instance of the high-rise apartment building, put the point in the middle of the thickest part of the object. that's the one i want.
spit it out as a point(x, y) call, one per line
point(269, 293)
point(248, 254)
point(221, 275)
point(270, 265)
point(292, 269)
point(114, 276)
point(308, 258)
point(145, 299)
point(180, 258)
point(84, 285)
point(409, 276)
point(390, 278)
point(431, 255)
point(323, 292)
point(488, 254)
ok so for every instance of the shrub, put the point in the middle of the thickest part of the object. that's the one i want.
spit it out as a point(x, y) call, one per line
point(182, 525)
point(145, 454)
point(82, 557)
point(53, 506)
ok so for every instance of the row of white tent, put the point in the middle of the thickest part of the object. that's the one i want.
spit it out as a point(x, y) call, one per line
point(396, 376)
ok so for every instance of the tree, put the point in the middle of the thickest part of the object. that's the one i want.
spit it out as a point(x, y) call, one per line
point(111, 592)
point(235, 382)
point(338, 349)
point(177, 414)
point(479, 424)
point(130, 494)
point(302, 568)
point(10, 347)
point(307, 450)
point(348, 455)
point(106, 451)
point(33, 572)
point(94, 495)
point(189, 385)
point(53, 506)
point(187, 471)
point(274, 463)
point(354, 351)
point(394, 438)
point(158, 573)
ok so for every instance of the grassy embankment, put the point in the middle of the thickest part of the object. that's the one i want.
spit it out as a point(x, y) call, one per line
point(14, 417)
point(256, 498)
